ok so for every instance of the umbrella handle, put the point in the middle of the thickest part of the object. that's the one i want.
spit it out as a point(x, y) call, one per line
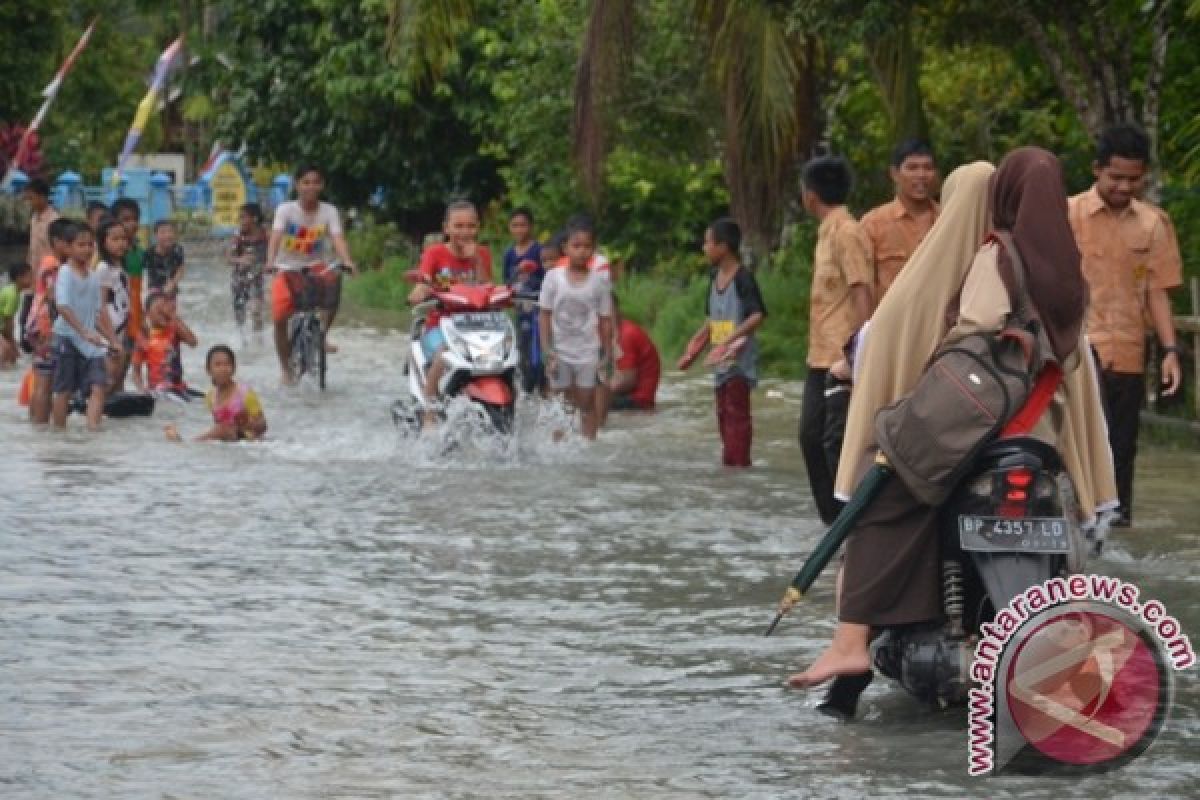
point(790, 598)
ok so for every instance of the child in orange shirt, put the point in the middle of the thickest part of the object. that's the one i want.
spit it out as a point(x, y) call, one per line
point(158, 350)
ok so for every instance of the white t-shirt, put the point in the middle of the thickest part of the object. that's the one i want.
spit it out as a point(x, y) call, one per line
point(575, 310)
point(307, 237)
point(113, 280)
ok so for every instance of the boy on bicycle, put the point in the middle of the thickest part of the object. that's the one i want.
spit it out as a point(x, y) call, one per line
point(303, 234)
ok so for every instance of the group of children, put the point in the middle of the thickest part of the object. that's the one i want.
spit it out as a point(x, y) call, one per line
point(79, 312)
point(566, 335)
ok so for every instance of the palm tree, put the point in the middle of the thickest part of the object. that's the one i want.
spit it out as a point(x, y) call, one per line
point(763, 71)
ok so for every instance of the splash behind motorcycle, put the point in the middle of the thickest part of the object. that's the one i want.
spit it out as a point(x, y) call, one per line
point(481, 357)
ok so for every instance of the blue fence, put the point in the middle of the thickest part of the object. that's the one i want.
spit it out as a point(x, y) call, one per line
point(211, 202)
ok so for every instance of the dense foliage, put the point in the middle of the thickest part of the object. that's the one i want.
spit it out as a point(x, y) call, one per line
point(681, 101)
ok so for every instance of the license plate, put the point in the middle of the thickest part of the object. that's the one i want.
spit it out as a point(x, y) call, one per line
point(478, 321)
point(1004, 535)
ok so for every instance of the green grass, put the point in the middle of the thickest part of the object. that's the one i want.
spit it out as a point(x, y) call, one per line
point(672, 310)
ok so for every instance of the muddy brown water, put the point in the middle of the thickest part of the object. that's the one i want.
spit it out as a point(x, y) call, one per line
point(341, 612)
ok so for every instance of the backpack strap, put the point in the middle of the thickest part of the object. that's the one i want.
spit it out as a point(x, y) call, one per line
point(1048, 381)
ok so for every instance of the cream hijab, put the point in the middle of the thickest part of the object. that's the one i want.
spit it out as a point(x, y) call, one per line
point(910, 324)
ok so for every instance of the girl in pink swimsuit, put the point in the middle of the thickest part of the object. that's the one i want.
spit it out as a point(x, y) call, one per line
point(237, 412)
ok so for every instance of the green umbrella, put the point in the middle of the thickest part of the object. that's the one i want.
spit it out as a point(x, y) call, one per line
point(866, 492)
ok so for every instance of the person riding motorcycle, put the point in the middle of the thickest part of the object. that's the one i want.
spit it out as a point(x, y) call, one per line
point(460, 259)
point(892, 555)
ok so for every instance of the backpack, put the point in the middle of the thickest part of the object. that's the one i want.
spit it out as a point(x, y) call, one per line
point(971, 388)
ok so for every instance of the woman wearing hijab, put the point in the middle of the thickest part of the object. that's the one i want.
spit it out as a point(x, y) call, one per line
point(891, 567)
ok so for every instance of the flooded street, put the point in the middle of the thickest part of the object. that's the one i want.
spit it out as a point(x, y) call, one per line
point(340, 612)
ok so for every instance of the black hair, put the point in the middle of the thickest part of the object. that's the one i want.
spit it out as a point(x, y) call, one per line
point(95, 205)
point(580, 223)
point(306, 168)
point(1125, 140)
point(126, 204)
point(57, 230)
point(216, 349)
point(38, 186)
point(15, 271)
point(73, 230)
point(911, 147)
point(102, 229)
point(521, 211)
point(829, 178)
point(254, 210)
point(162, 223)
point(727, 232)
point(460, 205)
point(557, 241)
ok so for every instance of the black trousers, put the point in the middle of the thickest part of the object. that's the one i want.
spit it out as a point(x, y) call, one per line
point(822, 428)
point(1123, 393)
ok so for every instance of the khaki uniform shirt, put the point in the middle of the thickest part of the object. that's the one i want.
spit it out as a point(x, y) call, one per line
point(842, 260)
point(39, 236)
point(894, 234)
point(1125, 254)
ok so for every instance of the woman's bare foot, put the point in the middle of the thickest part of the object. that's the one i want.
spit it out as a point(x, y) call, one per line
point(330, 347)
point(172, 434)
point(846, 655)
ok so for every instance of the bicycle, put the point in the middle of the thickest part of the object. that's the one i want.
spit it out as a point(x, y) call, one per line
point(305, 329)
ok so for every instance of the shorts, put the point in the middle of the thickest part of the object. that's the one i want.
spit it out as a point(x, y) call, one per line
point(290, 283)
point(44, 361)
point(74, 371)
point(565, 375)
point(432, 341)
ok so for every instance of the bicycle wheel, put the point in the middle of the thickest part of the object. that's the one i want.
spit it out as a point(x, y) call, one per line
point(316, 345)
point(299, 339)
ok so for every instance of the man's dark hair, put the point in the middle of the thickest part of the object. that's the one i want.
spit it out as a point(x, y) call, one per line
point(95, 205)
point(828, 177)
point(163, 223)
point(16, 270)
point(911, 147)
point(521, 211)
point(306, 168)
point(727, 232)
point(57, 230)
point(38, 186)
point(580, 223)
point(126, 204)
point(1123, 141)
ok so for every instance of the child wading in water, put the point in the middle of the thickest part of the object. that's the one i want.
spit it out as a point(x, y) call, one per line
point(83, 335)
point(735, 310)
point(112, 243)
point(159, 352)
point(248, 256)
point(575, 324)
point(237, 412)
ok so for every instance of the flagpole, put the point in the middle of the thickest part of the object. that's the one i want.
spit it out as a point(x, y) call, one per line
point(50, 92)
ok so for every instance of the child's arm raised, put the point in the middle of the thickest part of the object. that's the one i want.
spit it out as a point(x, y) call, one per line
point(185, 333)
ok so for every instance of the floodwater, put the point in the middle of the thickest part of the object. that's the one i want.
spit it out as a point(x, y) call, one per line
point(343, 613)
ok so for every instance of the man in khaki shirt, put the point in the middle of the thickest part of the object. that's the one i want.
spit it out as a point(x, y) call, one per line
point(897, 227)
point(37, 194)
point(840, 302)
point(1131, 260)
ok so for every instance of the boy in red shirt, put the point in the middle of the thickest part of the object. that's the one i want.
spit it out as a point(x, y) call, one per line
point(634, 383)
point(460, 259)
